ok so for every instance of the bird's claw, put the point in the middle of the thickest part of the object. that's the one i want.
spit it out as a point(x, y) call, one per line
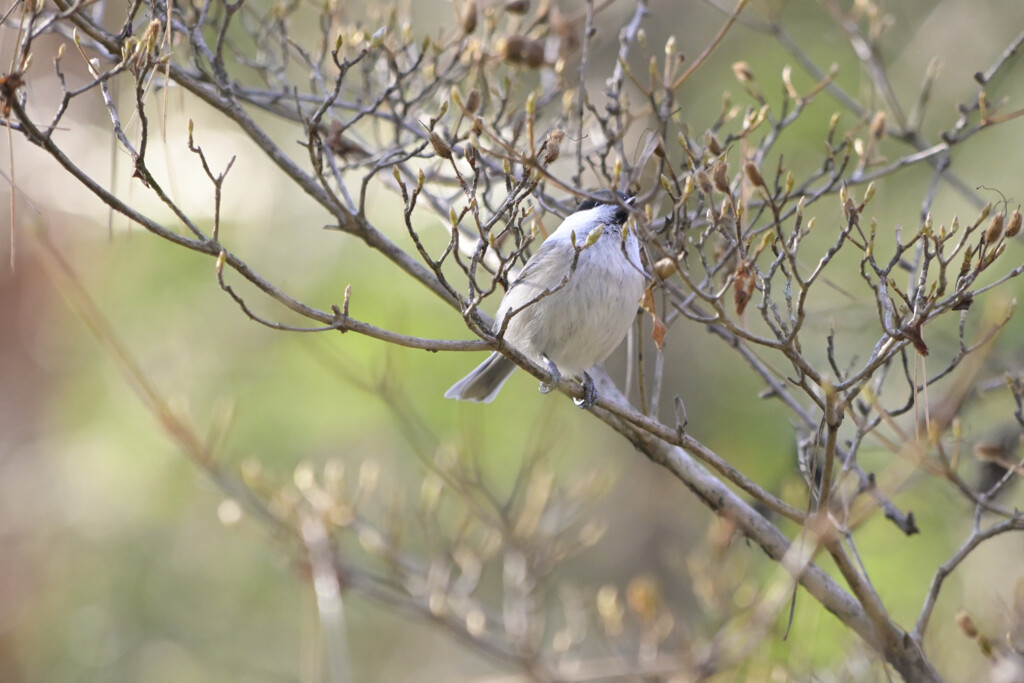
point(556, 377)
point(589, 393)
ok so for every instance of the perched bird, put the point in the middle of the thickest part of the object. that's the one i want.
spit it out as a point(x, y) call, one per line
point(572, 303)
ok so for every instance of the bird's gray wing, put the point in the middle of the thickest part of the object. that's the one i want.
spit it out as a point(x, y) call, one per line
point(545, 270)
point(546, 267)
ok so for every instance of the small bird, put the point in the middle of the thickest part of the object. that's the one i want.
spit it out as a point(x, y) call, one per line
point(572, 303)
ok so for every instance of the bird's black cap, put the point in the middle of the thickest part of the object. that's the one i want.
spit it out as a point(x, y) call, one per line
point(606, 197)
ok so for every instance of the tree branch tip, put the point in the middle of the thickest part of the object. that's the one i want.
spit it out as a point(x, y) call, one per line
point(345, 302)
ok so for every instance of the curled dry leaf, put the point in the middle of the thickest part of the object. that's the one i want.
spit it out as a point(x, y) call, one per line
point(912, 333)
point(552, 146)
point(9, 84)
point(743, 286)
point(964, 303)
point(658, 333)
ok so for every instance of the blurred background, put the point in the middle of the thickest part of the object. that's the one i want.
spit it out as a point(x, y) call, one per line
point(119, 560)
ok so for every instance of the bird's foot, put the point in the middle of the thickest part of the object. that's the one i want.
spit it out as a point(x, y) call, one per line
point(589, 393)
point(556, 376)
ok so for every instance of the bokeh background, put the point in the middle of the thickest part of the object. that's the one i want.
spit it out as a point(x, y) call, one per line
point(118, 559)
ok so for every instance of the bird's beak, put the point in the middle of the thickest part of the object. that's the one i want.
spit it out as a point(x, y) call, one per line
point(630, 200)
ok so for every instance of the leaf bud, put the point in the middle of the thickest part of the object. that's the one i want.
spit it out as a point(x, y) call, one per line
point(742, 72)
point(441, 147)
point(870, 192)
point(469, 17)
point(877, 128)
point(1013, 227)
point(994, 230)
point(473, 101)
point(720, 173)
point(753, 174)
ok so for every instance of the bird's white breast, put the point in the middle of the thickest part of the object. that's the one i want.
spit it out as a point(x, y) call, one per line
point(582, 322)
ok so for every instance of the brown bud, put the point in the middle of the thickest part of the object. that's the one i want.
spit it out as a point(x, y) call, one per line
point(705, 183)
point(712, 143)
point(473, 102)
point(1014, 226)
point(469, 18)
point(535, 54)
point(517, 7)
point(665, 267)
point(994, 230)
point(753, 174)
point(720, 173)
point(520, 49)
point(441, 148)
point(877, 127)
point(512, 46)
point(742, 72)
point(478, 126)
point(966, 624)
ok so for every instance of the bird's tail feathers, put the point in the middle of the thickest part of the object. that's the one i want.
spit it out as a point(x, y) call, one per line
point(484, 383)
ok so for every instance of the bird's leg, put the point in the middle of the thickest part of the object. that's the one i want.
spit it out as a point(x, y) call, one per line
point(556, 376)
point(589, 393)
